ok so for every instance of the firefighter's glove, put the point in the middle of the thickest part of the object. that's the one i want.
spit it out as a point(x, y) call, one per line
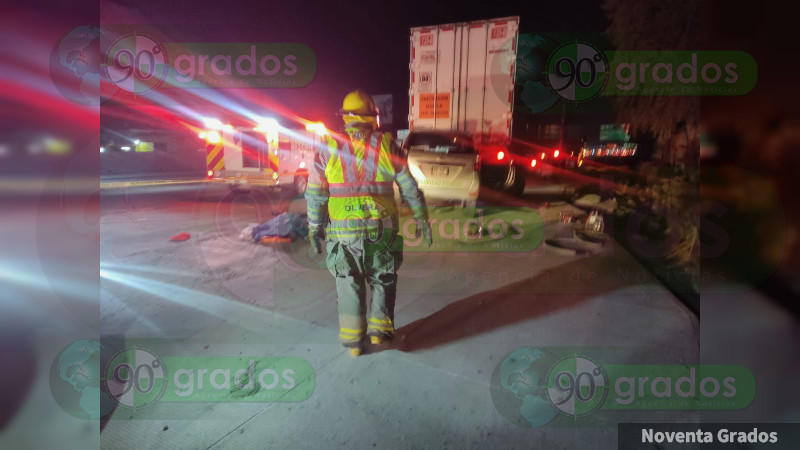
point(424, 230)
point(315, 239)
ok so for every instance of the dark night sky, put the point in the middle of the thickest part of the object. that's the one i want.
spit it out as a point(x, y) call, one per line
point(357, 44)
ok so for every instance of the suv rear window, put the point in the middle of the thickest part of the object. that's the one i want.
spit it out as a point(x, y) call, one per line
point(439, 143)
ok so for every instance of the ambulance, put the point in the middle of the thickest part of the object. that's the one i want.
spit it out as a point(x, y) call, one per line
point(265, 154)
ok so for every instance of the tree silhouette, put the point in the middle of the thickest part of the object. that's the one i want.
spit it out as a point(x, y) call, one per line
point(659, 26)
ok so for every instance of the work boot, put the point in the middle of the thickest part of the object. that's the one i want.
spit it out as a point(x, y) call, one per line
point(380, 339)
point(354, 352)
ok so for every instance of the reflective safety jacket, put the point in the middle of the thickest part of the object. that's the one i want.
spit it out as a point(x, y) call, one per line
point(351, 188)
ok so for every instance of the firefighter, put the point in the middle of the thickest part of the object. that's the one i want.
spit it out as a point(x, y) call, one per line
point(351, 194)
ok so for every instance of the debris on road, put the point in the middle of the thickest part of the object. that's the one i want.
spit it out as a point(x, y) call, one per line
point(593, 201)
point(266, 240)
point(180, 237)
point(284, 227)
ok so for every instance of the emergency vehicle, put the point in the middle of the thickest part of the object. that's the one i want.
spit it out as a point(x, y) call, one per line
point(265, 154)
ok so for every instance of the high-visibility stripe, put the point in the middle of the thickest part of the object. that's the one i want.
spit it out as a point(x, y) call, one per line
point(357, 194)
point(381, 328)
point(380, 190)
point(351, 331)
point(372, 169)
point(366, 183)
point(372, 319)
point(213, 154)
point(216, 159)
point(347, 160)
point(346, 224)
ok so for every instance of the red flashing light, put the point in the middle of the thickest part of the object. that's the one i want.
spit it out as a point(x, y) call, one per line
point(533, 163)
point(501, 155)
point(556, 153)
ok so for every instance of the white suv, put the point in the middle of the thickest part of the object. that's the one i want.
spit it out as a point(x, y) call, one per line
point(446, 166)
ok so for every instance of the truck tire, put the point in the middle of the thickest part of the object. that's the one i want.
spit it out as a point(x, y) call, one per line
point(300, 184)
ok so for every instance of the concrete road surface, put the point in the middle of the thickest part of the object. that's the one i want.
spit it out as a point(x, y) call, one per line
point(459, 314)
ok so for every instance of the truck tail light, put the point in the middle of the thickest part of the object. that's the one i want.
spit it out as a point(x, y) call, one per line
point(213, 137)
point(556, 153)
point(501, 155)
point(533, 162)
point(210, 173)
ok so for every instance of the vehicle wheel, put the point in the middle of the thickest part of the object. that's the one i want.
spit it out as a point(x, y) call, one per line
point(300, 184)
point(475, 230)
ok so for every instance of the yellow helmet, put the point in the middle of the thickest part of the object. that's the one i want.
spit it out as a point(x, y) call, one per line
point(359, 110)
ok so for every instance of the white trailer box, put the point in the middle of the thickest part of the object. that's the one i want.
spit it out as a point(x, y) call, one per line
point(462, 76)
